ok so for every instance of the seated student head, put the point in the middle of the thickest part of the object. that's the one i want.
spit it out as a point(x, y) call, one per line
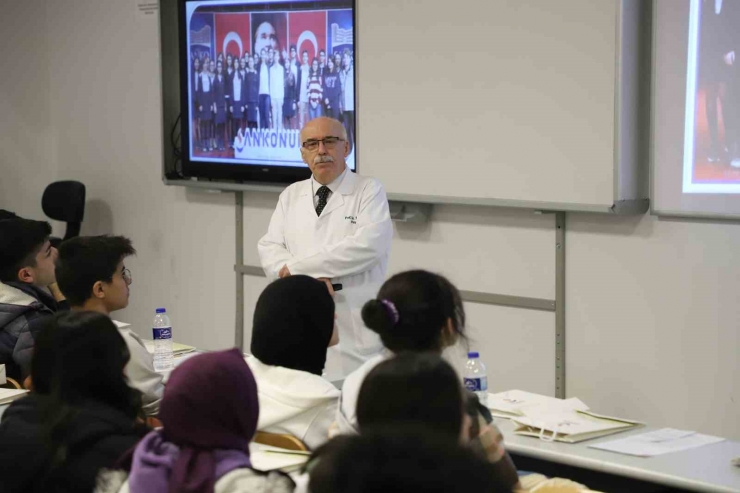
point(81, 415)
point(26, 255)
point(400, 459)
point(91, 272)
point(81, 356)
point(209, 414)
point(414, 389)
point(294, 324)
point(416, 311)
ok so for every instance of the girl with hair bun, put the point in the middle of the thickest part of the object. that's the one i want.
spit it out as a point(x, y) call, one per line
point(420, 312)
point(416, 311)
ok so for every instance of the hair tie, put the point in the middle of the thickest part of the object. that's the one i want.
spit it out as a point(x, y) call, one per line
point(391, 309)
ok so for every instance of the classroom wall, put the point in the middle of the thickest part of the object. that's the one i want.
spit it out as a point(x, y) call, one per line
point(27, 134)
point(651, 315)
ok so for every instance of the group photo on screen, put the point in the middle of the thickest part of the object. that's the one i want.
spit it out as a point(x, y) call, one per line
point(257, 76)
point(712, 143)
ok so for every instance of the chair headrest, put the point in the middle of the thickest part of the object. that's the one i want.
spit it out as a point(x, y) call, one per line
point(64, 201)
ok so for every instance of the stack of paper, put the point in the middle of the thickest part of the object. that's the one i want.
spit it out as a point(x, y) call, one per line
point(269, 458)
point(177, 348)
point(548, 418)
point(9, 395)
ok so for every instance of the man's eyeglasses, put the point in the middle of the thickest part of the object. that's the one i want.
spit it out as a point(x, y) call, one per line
point(126, 274)
point(329, 143)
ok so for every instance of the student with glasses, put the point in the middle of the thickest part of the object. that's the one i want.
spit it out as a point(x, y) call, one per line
point(334, 226)
point(92, 274)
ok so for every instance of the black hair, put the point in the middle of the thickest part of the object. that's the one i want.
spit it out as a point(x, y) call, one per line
point(20, 241)
point(79, 357)
point(412, 388)
point(85, 260)
point(4, 215)
point(423, 302)
point(322, 51)
point(395, 459)
point(293, 324)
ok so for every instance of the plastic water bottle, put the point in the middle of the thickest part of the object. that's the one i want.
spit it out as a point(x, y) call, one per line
point(162, 328)
point(475, 377)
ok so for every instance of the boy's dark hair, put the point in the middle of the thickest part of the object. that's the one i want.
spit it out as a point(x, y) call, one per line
point(20, 241)
point(412, 388)
point(85, 260)
point(400, 459)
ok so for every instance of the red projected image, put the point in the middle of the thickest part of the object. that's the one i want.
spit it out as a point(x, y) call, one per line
point(257, 77)
point(716, 157)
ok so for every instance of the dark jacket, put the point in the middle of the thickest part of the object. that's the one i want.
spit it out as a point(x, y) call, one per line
point(96, 436)
point(22, 308)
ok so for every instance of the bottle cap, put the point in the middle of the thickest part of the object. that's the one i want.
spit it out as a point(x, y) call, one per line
point(473, 354)
point(161, 310)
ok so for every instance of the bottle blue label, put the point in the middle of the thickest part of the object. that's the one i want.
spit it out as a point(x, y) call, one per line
point(162, 333)
point(476, 384)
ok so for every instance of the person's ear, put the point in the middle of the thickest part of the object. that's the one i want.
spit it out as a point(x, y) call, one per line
point(449, 336)
point(346, 149)
point(26, 275)
point(98, 291)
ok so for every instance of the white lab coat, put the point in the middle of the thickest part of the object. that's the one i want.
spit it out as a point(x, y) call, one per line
point(295, 402)
point(349, 243)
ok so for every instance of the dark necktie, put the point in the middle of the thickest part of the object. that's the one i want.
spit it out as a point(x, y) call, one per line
point(323, 194)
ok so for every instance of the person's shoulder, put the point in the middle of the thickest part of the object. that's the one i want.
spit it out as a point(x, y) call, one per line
point(294, 188)
point(365, 179)
point(131, 337)
point(16, 296)
point(248, 480)
point(367, 185)
point(354, 379)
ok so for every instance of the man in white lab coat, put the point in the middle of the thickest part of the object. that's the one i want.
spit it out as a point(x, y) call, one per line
point(333, 226)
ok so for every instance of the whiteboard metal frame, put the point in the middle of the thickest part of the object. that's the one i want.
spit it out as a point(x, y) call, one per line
point(628, 196)
point(626, 200)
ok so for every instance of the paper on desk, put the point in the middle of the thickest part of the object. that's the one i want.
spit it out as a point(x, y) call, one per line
point(513, 403)
point(268, 458)
point(177, 348)
point(9, 395)
point(659, 442)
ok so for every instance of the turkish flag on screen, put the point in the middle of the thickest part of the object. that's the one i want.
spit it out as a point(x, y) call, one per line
point(232, 34)
point(308, 32)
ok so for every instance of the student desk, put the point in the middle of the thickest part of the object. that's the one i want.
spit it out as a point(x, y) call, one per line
point(703, 469)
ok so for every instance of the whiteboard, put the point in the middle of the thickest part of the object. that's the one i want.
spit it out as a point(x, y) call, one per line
point(523, 103)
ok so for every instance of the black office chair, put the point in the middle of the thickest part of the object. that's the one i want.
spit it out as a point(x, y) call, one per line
point(65, 201)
